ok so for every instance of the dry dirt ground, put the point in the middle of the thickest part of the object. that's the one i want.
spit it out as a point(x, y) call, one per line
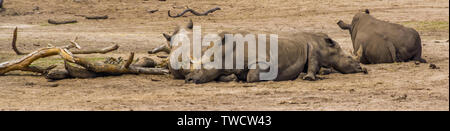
point(397, 86)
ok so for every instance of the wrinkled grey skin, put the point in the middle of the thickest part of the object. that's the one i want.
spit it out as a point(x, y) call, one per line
point(178, 73)
point(376, 41)
point(298, 52)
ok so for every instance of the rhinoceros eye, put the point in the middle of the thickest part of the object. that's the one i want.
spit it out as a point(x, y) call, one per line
point(330, 42)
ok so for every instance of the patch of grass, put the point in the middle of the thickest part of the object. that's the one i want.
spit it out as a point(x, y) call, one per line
point(427, 25)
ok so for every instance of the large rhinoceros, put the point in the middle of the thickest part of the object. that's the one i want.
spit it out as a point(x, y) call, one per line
point(297, 53)
point(377, 41)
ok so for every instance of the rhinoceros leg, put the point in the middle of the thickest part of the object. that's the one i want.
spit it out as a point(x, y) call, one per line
point(227, 78)
point(326, 71)
point(393, 52)
point(313, 65)
point(360, 56)
point(253, 75)
point(418, 57)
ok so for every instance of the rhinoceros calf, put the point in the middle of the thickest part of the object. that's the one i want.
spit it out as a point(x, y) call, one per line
point(376, 41)
point(297, 53)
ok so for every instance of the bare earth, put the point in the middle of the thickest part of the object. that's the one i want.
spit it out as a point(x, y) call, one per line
point(397, 86)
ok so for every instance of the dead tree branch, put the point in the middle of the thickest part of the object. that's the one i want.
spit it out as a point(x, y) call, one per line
point(96, 17)
point(23, 63)
point(161, 48)
point(100, 51)
point(194, 12)
point(61, 22)
point(14, 47)
point(89, 51)
point(152, 11)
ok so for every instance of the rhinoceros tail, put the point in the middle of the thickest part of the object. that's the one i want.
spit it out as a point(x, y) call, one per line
point(418, 55)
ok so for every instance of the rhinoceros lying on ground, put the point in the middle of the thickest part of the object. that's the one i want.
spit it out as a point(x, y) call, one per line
point(297, 53)
point(376, 41)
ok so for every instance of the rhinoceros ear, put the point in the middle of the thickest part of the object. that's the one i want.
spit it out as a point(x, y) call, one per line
point(168, 37)
point(190, 24)
point(367, 11)
point(330, 42)
point(343, 25)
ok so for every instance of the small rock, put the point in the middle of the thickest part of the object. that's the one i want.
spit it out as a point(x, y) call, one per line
point(433, 66)
point(351, 90)
point(29, 83)
point(401, 98)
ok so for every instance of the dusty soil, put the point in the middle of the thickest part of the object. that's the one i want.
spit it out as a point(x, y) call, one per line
point(397, 86)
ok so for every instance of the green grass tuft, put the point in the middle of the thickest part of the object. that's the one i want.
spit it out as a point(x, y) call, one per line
point(427, 25)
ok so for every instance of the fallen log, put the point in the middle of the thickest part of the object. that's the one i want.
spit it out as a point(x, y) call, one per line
point(100, 51)
point(76, 72)
point(83, 72)
point(194, 12)
point(96, 17)
point(69, 72)
point(61, 22)
point(114, 69)
point(89, 51)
